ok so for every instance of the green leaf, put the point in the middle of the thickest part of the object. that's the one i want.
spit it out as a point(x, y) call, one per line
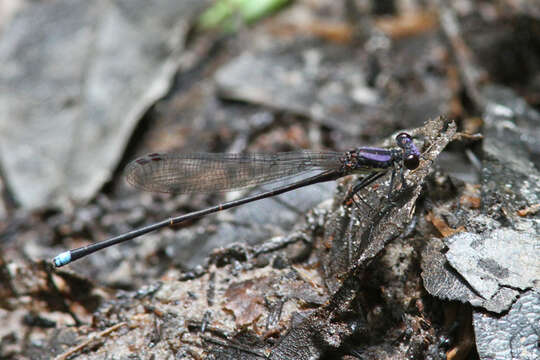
point(229, 14)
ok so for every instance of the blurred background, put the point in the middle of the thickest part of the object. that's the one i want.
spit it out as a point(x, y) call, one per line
point(86, 86)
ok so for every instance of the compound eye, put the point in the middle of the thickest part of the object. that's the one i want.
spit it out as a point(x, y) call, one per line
point(403, 138)
point(411, 162)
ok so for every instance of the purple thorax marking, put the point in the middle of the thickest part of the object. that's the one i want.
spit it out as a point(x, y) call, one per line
point(375, 154)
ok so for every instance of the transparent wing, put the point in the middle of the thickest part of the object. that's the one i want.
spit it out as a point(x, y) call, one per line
point(209, 172)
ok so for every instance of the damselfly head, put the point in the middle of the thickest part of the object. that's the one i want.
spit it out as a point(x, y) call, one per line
point(403, 140)
point(411, 155)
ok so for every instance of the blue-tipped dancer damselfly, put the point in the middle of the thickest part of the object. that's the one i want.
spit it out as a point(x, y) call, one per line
point(209, 172)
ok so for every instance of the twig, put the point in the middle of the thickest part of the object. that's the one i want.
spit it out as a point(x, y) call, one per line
point(93, 338)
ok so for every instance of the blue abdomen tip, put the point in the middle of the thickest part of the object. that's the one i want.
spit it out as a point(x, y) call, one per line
point(62, 259)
